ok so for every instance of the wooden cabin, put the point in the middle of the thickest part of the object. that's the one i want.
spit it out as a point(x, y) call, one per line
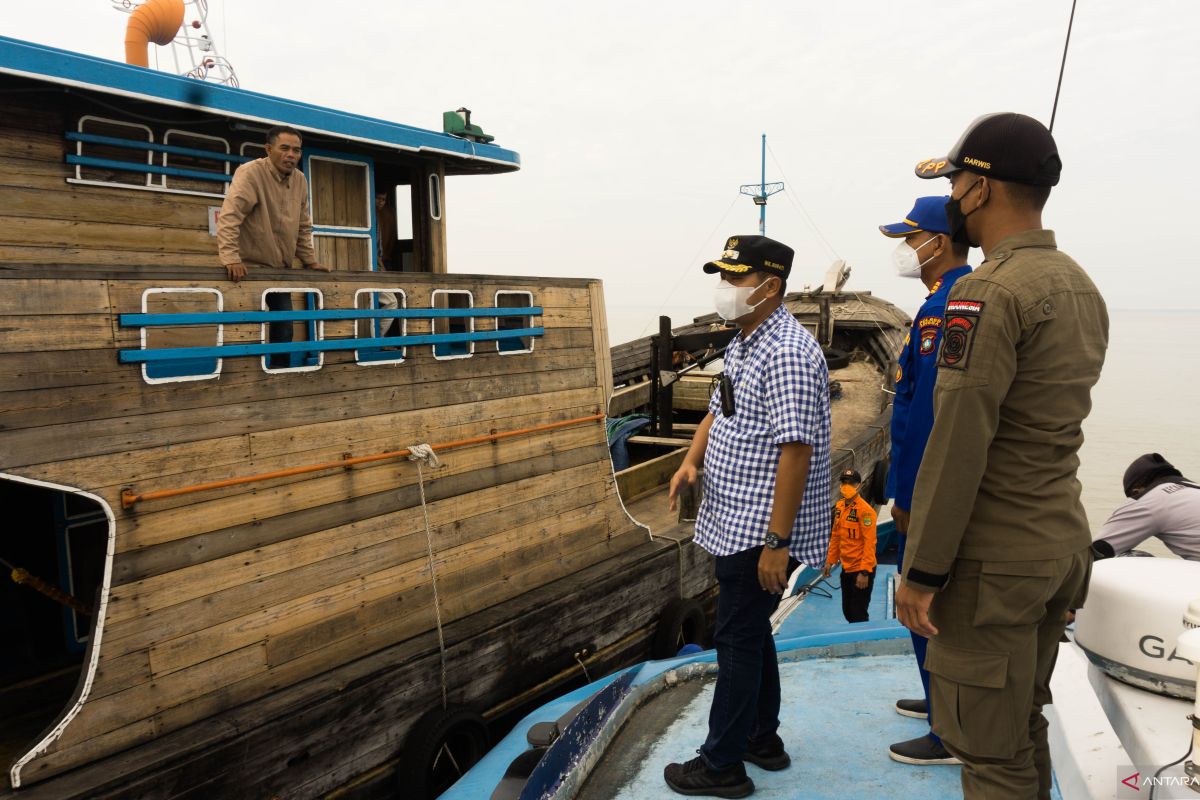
point(233, 580)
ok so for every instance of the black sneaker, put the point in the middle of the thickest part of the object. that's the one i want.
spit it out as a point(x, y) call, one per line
point(917, 709)
point(920, 751)
point(767, 753)
point(696, 779)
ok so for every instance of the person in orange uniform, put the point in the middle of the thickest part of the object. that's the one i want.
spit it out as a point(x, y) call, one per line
point(853, 543)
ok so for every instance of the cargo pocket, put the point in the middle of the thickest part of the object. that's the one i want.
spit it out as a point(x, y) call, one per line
point(971, 709)
point(1013, 593)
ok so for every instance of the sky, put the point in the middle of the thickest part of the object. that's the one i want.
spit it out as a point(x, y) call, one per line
point(637, 122)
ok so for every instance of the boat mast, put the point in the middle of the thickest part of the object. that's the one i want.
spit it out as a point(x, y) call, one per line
point(762, 190)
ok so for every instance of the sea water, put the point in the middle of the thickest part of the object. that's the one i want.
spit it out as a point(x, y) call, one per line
point(1142, 404)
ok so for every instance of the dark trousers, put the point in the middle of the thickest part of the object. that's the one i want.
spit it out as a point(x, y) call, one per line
point(855, 601)
point(745, 702)
point(919, 642)
point(279, 331)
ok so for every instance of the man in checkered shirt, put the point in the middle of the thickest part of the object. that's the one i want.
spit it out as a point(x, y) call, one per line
point(764, 445)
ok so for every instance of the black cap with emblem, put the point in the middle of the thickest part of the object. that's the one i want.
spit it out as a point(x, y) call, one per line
point(850, 476)
point(749, 253)
point(1007, 146)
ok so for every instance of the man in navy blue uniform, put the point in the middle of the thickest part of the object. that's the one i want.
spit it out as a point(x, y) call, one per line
point(928, 253)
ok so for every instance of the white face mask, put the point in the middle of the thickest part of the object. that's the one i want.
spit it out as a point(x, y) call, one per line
point(732, 302)
point(905, 259)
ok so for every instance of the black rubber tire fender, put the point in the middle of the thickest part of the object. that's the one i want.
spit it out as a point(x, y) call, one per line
point(426, 768)
point(836, 359)
point(681, 622)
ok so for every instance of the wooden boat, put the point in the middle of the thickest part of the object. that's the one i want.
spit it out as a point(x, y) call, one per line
point(251, 546)
point(247, 588)
point(669, 376)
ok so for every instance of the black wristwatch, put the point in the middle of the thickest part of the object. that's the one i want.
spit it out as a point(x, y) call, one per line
point(775, 541)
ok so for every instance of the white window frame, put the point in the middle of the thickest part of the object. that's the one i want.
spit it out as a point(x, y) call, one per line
point(258, 145)
point(320, 329)
point(433, 322)
point(401, 302)
point(120, 123)
point(220, 332)
point(435, 196)
point(165, 156)
point(496, 303)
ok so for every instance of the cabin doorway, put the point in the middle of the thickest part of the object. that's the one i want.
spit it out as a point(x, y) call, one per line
point(53, 548)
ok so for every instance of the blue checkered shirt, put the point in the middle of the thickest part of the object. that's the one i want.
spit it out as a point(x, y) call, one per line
point(781, 394)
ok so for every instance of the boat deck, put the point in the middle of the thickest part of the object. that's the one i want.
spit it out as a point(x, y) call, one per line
point(837, 720)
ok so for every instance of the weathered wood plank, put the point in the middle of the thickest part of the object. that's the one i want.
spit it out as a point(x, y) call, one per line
point(71, 440)
point(82, 204)
point(649, 476)
point(196, 549)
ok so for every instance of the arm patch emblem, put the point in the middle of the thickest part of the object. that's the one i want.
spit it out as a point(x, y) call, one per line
point(962, 318)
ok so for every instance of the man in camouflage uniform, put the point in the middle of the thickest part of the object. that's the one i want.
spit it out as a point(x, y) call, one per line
point(998, 542)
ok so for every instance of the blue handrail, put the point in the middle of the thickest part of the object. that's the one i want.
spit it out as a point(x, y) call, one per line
point(153, 169)
point(134, 144)
point(233, 317)
point(234, 350)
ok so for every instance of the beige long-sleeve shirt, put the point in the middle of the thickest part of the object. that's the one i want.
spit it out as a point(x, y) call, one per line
point(265, 219)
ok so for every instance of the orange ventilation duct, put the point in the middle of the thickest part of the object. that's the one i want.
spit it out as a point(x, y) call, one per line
point(154, 21)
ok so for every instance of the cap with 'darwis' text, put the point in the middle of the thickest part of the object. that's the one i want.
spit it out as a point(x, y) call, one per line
point(1007, 146)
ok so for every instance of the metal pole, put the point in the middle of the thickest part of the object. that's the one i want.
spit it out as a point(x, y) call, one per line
point(762, 210)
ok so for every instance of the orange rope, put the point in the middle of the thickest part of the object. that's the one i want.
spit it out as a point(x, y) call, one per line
point(129, 497)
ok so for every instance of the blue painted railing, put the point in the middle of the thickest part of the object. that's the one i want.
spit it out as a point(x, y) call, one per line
point(173, 149)
point(178, 361)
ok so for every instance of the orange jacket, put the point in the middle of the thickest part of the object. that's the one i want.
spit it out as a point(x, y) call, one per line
point(853, 538)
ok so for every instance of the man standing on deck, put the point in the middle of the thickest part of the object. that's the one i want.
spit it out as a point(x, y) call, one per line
point(998, 542)
point(265, 222)
point(926, 253)
point(764, 446)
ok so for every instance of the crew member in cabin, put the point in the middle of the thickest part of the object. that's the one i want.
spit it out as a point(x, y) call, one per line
point(265, 222)
point(927, 253)
point(998, 543)
point(764, 446)
point(853, 544)
point(1161, 503)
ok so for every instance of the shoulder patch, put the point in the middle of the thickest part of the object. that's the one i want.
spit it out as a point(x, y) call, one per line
point(929, 331)
point(868, 521)
point(962, 317)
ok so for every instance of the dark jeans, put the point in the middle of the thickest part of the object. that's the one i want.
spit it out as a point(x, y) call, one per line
point(745, 703)
point(279, 331)
point(920, 643)
point(855, 601)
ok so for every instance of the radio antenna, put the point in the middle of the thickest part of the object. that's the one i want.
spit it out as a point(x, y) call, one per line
point(1063, 67)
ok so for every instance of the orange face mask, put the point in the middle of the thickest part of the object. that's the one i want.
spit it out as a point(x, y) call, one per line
point(848, 490)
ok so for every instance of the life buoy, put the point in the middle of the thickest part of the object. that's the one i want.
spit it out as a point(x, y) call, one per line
point(682, 622)
point(440, 748)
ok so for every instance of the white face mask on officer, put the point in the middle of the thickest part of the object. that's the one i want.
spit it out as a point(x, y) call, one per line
point(733, 302)
point(906, 261)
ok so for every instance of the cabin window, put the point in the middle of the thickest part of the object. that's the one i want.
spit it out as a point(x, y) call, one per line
point(284, 332)
point(182, 301)
point(511, 299)
point(395, 248)
point(253, 150)
point(341, 201)
point(379, 328)
point(435, 197)
point(108, 155)
point(192, 159)
point(453, 299)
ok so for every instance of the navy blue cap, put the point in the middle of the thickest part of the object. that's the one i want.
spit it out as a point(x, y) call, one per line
point(927, 215)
